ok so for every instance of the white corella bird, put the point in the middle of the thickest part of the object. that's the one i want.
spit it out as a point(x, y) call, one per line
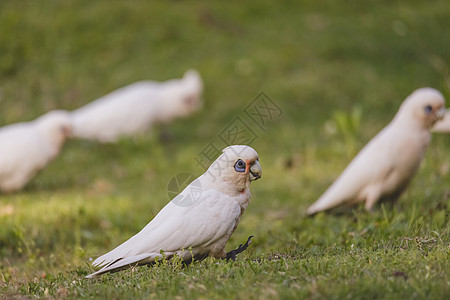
point(386, 165)
point(443, 126)
point(134, 108)
point(199, 221)
point(27, 147)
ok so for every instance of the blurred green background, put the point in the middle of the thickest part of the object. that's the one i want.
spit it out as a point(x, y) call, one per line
point(338, 70)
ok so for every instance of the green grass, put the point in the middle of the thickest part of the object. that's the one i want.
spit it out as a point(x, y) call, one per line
point(326, 64)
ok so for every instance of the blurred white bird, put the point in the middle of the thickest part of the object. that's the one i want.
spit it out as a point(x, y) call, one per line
point(134, 108)
point(386, 165)
point(443, 126)
point(26, 148)
point(199, 221)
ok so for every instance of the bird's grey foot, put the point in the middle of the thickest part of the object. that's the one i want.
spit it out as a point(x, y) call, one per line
point(232, 254)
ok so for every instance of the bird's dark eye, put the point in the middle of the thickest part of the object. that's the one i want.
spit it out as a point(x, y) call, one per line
point(428, 109)
point(239, 166)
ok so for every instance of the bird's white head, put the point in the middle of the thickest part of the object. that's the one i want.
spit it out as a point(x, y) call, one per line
point(56, 126)
point(191, 99)
point(233, 170)
point(182, 97)
point(425, 106)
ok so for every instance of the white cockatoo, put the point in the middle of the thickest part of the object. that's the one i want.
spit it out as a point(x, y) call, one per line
point(27, 147)
point(134, 108)
point(386, 165)
point(199, 221)
point(443, 126)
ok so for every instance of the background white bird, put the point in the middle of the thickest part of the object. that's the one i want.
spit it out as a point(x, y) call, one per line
point(135, 107)
point(26, 148)
point(443, 126)
point(386, 165)
point(199, 221)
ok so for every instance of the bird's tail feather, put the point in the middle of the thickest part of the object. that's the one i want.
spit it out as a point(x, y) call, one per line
point(122, 263)
point(327, 201)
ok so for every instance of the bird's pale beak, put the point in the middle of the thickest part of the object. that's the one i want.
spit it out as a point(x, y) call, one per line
point(440, 113)
point(255, 171)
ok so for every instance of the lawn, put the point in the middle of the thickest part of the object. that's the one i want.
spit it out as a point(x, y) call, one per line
point(336, 71)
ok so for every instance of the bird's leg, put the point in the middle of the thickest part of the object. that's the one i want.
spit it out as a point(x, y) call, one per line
point(232, 254)
point(198, 257)
point(371, 199)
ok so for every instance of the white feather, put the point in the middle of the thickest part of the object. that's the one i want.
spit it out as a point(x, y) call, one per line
point(134, 108)
point(386, 165)
point(26, 148)
point(192, 225)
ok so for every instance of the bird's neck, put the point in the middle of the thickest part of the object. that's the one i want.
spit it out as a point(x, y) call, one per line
point(53, 137)
point(408, 122)
point(230, 185)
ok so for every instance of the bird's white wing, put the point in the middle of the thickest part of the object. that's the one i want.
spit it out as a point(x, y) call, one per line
point(124, 111)
point(175, 228)
point(21, 153)
point(119, 99)
point(14, 145)
point(372, 164)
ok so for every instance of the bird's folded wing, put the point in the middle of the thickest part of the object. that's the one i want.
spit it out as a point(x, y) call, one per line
point(18, 143)
point(373, 163)
point(178, 227)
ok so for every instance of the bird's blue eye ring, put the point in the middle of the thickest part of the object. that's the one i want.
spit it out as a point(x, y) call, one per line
point(428, 109)
point(239, 166)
